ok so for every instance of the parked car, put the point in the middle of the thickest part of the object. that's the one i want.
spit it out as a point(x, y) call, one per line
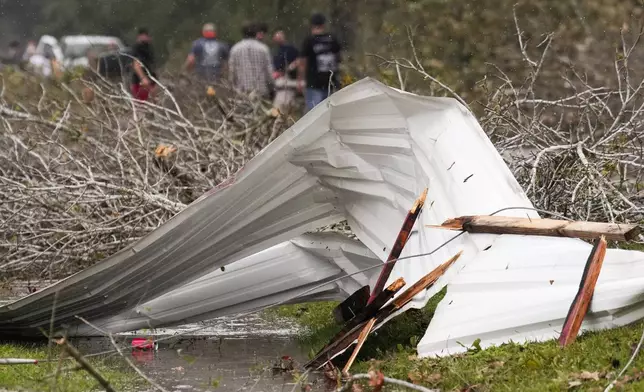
point(72, 51)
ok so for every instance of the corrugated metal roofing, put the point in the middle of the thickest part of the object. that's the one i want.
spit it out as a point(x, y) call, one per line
point(364, 154)
point(291, 269)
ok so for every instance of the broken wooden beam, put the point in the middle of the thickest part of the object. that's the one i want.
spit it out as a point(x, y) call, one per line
point(424, 282)
point(542, 227)
point(352, 306)
point(372, 309)
point(399, 244)
point(581, 303)
point(344, 339)
point(398, 303)
point(361, 339)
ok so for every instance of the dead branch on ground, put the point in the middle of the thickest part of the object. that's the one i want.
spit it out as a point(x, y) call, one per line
point(82, 175)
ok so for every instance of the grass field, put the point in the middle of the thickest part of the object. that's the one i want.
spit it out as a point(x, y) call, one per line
point(44, 375)
point(588, 364)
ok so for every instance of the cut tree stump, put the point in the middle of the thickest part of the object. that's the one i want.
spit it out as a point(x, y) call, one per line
point(581, 303)
point(542, 227)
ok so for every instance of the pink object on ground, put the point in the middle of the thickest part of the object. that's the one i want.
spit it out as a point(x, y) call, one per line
point(143, 343)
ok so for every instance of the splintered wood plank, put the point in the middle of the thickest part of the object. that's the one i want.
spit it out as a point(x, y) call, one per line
point(361, 339)
point(348, 335)
point(581, 303)
point(372, 309)
point(423, 283)
point(352, 306)
point(399, 244)
point(542, 227)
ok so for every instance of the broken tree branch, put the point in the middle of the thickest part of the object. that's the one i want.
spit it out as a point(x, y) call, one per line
point(581, 303)
point(386, 380)
point(71, 350)
point(542, 227)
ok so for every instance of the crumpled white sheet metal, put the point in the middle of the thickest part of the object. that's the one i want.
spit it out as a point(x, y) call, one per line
point(297, 268)
point(521, 289)
point(365, 154)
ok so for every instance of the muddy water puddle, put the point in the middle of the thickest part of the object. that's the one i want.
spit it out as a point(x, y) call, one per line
point(247, 354)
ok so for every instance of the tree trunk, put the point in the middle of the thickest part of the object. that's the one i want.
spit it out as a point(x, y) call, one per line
point(344, 17)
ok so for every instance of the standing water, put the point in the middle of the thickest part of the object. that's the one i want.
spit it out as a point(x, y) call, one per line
point(243, 354)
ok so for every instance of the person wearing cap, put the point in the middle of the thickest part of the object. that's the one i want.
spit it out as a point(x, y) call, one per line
point(143, 66)
point(319, 63)
point(208, 55)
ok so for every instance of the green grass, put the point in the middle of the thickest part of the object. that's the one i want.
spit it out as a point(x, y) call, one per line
point(588, 364)
point(40, 377)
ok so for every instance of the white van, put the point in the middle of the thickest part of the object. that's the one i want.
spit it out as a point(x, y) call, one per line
point(71, 51)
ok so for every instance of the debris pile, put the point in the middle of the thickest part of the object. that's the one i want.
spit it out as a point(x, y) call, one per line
point(363, 156)
point(82, 180)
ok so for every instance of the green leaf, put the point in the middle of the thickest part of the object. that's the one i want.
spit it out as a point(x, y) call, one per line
point(477, 344)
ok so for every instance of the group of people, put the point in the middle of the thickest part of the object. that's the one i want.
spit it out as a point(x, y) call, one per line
point(250, 66)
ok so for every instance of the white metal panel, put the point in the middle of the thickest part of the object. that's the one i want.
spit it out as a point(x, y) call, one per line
point(521, 289)
point(290, 269)
point(364, 154)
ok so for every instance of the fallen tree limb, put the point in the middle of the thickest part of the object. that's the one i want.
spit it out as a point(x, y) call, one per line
point(343, 340)
point(542, 227)
point(581, 303)
point(71, 350)
point(385, 380)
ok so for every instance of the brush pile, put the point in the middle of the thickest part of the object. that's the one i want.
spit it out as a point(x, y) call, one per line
point(85, 170)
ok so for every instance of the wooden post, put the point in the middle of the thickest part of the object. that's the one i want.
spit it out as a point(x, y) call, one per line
point(542, 227)
point(581, 303)
point(424, 282)
point(399, 244)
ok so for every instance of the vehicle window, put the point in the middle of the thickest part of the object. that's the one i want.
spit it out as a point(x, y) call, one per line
point(82, 50)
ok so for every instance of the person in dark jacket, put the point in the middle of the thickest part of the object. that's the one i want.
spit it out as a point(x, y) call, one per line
point(112, 65)
point(285, 72)
point(285, 58)
point(319, 63)
point(143, 66)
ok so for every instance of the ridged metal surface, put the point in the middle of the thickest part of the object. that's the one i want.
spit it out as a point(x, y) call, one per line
point(521, 289)
point(296, 268)
point(364, 154)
